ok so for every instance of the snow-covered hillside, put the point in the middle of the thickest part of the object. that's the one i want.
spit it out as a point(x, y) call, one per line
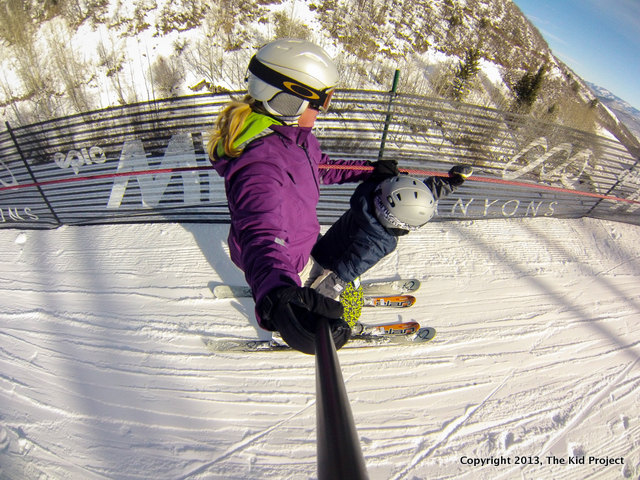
point(104, 374)
point(87, 55)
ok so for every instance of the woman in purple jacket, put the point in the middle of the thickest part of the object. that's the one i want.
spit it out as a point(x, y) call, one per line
point(264, 149)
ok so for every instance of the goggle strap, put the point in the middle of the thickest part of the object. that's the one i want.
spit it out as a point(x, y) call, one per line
point(316, 98)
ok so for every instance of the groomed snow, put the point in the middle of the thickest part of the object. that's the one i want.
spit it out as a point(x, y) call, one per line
point(104, 375)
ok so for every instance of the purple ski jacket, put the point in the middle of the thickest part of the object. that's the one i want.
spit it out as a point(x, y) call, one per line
point(273, 188)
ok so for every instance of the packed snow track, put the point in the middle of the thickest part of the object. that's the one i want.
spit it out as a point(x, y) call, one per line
point(534, 373)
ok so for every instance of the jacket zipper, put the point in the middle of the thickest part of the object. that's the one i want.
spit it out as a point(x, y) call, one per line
point(313, 173)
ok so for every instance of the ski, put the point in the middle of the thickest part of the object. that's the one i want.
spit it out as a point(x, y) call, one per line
point(377, 289)
point(399, 301)
point(402, 328)
point(422, 335)
point(230, 291)
point(408, 333)
point(395, 287)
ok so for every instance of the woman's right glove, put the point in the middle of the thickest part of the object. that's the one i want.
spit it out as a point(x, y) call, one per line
point(294, 312)
point(383, 169)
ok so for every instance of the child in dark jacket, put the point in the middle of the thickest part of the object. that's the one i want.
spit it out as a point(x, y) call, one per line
point(379, 213)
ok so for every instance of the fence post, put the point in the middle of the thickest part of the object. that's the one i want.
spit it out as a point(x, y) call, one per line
point(33, 177)
point(338, 447)
point(387, 121)
point(613, 187)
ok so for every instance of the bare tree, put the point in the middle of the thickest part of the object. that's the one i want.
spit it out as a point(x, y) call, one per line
point(16, 26)
point(112, 58)
point(205, 57)
point(28, 62)
point(288, 26)
point(166, 75)
point(70, 68)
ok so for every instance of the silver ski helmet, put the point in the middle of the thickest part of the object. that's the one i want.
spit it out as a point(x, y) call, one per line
point(288, 74)
point(404, 202)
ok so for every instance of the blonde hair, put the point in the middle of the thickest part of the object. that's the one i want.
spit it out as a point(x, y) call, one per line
point(229, 126)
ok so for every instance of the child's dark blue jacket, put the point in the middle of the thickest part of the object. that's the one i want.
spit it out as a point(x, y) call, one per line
point(357, 241)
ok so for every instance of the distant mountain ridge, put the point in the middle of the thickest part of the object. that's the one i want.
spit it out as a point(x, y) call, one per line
point(605, 95)
point(626, 113)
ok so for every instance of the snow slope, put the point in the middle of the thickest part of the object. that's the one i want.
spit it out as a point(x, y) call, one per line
point(104, 375)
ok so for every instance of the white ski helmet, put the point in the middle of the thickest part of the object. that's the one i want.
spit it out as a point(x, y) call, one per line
point(404, 202)
point(287, 75)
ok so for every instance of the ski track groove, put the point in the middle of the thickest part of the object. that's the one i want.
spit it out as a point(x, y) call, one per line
point(244, 444)
point(451, 428)
point(582, 414)
point(457, 423)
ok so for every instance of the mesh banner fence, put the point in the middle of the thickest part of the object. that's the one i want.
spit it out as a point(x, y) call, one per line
point(148, 162)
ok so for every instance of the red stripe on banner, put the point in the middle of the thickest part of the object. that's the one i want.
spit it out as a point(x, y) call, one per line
point(426, 173)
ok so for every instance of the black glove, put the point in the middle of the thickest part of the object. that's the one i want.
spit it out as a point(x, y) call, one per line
point(329, 284)
point(458, 174)
point(383, 169)
point(294, 312)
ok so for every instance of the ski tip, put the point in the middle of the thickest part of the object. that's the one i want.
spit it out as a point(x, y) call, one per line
point(411, 285)
point(229, 291)
point(216, 289)
point(220, 293)
point(406, 301)
point(425, 334)
point(223, 345)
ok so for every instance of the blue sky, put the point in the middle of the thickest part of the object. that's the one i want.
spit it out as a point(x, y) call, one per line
point(598, 39)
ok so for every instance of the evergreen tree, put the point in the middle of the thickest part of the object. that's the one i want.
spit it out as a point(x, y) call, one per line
point(465, 72)
point(529, 86)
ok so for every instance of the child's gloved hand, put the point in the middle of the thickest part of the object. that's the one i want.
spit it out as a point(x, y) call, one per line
point(329, 285)
point(459, 173)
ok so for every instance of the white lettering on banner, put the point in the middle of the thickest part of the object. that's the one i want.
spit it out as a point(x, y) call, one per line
point(513, 212)
point(559, 172)
point(13, 179)
point(630, 177)
point(533, 209)
point(77, 158)
point(133, 158)
point(507, 209)
point(15, 216)
point(462, 206)
point(487, 204)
